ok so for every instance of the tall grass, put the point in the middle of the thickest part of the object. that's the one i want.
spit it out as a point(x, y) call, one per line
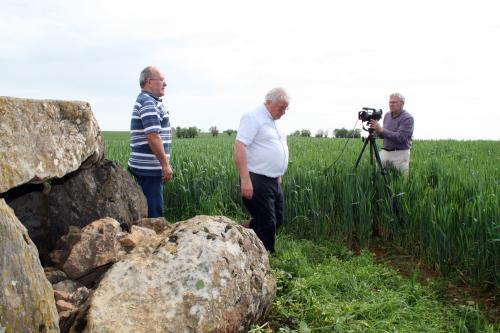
point(324, 288)
point(449, 204)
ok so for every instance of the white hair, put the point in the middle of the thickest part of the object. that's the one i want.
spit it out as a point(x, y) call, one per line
point(276, 94)
point(146, 74)
point(398, 95)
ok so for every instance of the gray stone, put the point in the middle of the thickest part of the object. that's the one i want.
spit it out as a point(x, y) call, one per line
point(68, 286)
point(45, 139)
point(26, 297)
point(104, 190)
point(31, 205)
point(64, 246)
point(79, 296)
point(207, 274)
point(55, 276)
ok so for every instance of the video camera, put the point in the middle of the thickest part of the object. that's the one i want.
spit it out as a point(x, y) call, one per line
point(368, 114)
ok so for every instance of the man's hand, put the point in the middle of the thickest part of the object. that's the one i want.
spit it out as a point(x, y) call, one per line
point(167, 173)
point(376, 126)
point(240, 157)
point(246, 188)
point(156, 144)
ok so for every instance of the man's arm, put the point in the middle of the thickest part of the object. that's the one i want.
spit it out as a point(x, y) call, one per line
point(156, 144)
point(402, 135)
point(240, 157)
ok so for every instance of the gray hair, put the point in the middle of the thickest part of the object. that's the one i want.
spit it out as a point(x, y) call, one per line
point(398, 95)
point(276, 94)
point(145, 76)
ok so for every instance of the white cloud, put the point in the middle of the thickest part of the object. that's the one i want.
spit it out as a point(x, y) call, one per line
point(220, 58)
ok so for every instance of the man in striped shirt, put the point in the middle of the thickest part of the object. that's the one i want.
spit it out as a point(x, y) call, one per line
point(150, 140)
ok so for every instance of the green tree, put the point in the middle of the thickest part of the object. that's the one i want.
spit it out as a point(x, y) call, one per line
point(306, 133)
point(214, 130)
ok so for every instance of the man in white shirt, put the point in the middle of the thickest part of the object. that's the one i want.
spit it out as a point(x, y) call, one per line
point(261, 156)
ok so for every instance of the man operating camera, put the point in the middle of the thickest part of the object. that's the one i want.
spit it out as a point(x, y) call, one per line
point(397, 133)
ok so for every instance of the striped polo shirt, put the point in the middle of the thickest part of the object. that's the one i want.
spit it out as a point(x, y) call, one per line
point(149, 116)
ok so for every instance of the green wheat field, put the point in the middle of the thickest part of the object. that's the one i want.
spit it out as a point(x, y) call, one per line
point(449, 217)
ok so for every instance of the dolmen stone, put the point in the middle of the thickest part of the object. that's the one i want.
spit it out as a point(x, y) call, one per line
point(206, 274)
point(26, 296)
point(103, 190)
point(45, 139)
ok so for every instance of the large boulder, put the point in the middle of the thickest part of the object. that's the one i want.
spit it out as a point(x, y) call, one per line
point(44, 139)
point(207, 274)
point(26, 297)
point(103, 190)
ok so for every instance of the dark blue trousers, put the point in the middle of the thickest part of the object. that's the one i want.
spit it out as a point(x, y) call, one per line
point(152, 187)
point(266, 208)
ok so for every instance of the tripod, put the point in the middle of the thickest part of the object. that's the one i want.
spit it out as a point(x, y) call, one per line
point(371, 139)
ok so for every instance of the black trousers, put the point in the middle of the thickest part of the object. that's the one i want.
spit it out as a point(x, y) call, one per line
point(266, 208)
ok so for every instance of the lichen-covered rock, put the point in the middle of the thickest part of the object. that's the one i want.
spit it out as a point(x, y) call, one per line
point(44, 139)
point(207, 274)
point(104, 190)
point(26, 297)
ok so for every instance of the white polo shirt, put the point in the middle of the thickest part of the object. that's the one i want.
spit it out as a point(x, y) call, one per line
point(267, 150)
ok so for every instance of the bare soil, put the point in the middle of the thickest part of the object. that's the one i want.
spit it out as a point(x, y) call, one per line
point(454, 290)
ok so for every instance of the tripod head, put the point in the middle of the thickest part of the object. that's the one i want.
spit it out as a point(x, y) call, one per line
point(371, 134)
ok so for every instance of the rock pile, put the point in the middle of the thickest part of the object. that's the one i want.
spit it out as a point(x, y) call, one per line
point(96, 263)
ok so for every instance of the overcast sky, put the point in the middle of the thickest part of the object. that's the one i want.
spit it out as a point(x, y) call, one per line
point(221, 57)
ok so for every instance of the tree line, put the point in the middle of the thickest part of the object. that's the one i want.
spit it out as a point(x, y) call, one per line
point(337, 133)
point(193, 132)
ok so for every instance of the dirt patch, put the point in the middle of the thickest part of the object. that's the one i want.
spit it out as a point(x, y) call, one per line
point(453, 290)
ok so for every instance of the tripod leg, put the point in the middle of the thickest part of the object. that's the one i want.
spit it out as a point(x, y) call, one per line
point(383, 171)
point(371, 153)
point(361, 154)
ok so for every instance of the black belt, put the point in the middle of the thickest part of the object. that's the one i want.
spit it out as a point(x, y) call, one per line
point(392, 149)
point(263, 176)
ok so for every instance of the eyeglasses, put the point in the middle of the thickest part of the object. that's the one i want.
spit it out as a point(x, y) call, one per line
point(161, 80)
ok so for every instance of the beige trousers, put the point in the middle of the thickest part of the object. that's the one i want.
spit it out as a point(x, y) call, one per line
point(399, 158)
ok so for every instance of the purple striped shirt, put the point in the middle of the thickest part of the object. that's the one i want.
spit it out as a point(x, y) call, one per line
point(398, 131)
